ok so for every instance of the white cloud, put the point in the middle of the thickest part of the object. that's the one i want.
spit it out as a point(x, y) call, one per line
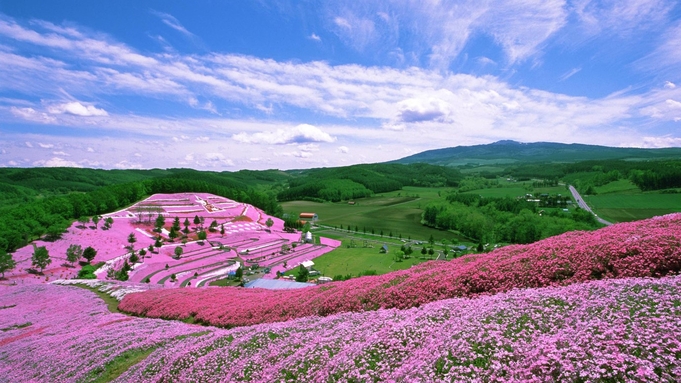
point(77, 109)
point(45, 146)
point(569, 74)
point(343, 23)
point(315, 37)
point(125, 164)
point(203, 139)
point(420, 110)
point(30, 114)
point(90, 150)
point(343, 149)
point(621, 16)
point(30, 145)
point(669, 85)
point(300, 134)
point(61, 153)
point(189, 157)
point(172, 22)
point(661, 142)
point(485, 61)
point(56, 162)
point(219, 158)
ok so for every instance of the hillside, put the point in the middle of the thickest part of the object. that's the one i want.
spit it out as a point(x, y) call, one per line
point(605, 331)
point(649, 248)
point(508, 152)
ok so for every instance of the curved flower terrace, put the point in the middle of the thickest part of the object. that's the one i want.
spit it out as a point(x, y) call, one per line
point(200, 238)
point(649, 248)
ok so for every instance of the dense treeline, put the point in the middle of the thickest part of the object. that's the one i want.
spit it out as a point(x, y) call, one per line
point(337, 184)
point(647, 175)
point(502, 219)
point(21, 223)
point(19, 185)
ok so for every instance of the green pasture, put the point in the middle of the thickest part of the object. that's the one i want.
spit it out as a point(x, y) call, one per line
point(620, 207)
point(620, 186)
point(398, 211)
point(516, 190)
point(344, 260)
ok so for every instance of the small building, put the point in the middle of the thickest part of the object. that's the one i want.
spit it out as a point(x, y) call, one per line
point(307, 264)
point(384, 249)
point(351, 202)
point(309, 216)
point(322, 280)
point(308, 237)
point(461, 248)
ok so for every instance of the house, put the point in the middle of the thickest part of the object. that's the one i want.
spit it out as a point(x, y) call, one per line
point(460, 248)
point(307, 264)
point(384, 249)
point(322, 280)
point(309, 216)
point(351, 202)
point(308, 237)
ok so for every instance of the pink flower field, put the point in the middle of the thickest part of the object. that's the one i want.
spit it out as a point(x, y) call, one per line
point(245, 229)
point(649, 248)
point(615, 330)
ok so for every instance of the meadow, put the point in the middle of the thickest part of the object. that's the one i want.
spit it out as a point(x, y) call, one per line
point(398, 212)
point(622, 201)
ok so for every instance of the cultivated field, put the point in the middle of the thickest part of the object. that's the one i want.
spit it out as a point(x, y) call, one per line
point(622, 201)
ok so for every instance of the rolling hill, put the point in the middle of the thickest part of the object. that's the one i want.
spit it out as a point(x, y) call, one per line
point(508, 152)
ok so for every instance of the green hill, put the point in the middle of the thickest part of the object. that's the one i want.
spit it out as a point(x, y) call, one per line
point(507, 152)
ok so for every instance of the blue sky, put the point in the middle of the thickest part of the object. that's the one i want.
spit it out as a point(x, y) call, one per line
point(228, 85)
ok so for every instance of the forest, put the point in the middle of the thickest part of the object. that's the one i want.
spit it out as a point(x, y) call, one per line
point(585, 175)
point(357, 181)
point(52, 198)
point(510, 220)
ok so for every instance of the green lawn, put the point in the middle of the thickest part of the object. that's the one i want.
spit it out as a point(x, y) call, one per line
point(344, 260)
point(398, 211)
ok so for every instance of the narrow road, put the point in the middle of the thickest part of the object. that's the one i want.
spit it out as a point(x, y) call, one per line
point(583, 205)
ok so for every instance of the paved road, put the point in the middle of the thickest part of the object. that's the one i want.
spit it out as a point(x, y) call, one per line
point(583, 205)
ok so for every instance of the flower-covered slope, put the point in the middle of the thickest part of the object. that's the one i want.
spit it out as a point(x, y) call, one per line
point(649, 248)
point(608, 330)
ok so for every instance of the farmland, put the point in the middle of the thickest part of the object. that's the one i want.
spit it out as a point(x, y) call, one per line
point(398, 212)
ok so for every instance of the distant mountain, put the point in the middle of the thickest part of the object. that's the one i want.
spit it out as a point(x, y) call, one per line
point(506, 152)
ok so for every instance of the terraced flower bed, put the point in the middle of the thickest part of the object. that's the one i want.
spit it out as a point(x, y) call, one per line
point(650, 248)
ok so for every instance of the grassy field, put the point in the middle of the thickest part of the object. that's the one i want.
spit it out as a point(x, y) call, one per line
point(354, 260)
point(398, 212)
point(622, 207)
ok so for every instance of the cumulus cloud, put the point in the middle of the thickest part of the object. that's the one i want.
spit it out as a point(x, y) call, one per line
point(419, 110)
point(343, 149)
point(77, 109)
point(302, 133)
point(315, 37)
point(669, 85)
point(55, 162)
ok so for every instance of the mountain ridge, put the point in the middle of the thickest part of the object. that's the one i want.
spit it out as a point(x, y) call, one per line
point(508, 151)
